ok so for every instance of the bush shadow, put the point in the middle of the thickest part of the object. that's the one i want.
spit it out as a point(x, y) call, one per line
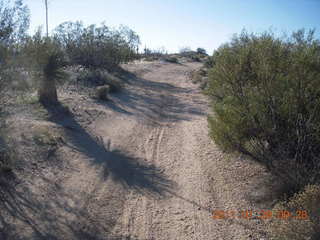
point(27, 216)
point(56, 215)
point(156, 101)
point(129, 171)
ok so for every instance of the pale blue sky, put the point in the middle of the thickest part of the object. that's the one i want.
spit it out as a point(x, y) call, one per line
point(177, 23)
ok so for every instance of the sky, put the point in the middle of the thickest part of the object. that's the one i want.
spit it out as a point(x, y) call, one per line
point(174, 24)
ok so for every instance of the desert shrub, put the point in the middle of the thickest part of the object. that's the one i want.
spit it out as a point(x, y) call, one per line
point(266, 99)
point(14, 23)
point(97, 47)
point(89, 78)
point(114, 83)
point(195, 58)
point(45, 60)
point(154, 54)
point(201, 51)
point(8, 156)
point(172, 59)
point(197, 75)
point(303, 226)
point(102, 92)
point(99, 78)
point(208, 62)
point(5, 161)
point(191, 55)
point(46, 136)
point(200, 76)
point(204, 83)
point(151, 58)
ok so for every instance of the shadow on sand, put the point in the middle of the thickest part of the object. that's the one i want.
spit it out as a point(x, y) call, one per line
point(155, 101)
point(25, 213)
point(131, 172)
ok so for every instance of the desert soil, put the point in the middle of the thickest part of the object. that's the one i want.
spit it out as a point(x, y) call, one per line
point(140, 166)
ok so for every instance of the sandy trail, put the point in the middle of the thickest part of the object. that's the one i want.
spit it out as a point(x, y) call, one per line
point(141, 168)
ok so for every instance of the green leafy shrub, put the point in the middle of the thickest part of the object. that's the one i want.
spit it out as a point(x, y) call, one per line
point(303, 226)
point(266, 99)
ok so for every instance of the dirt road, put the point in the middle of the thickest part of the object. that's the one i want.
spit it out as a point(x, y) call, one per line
point(139, 167)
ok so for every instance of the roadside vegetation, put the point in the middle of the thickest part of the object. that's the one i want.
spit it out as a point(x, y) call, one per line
point(34, 68)
point(186, 54)
point(200, 76)
point(266, 96)
point(14, 22)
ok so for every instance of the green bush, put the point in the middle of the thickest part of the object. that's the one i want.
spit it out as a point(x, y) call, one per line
point(266, 99)
point(97, 47)
point(306, 225)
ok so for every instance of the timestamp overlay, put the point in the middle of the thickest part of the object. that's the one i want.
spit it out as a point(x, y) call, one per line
point(260, 214)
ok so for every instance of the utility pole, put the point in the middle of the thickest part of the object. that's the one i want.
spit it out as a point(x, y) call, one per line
point(46, 3)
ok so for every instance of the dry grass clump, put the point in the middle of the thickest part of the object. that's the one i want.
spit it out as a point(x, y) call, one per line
point(8, 154)
point(172, 59)
point(102, 92)
point(298, 228)
point(100, 78)
point(6, 160)
point(45, 135)
point(200, 76)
